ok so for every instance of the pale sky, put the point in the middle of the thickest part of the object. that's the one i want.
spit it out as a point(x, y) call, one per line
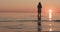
point(27, 5)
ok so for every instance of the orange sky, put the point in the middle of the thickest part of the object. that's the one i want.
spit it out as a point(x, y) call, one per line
point(27, 5)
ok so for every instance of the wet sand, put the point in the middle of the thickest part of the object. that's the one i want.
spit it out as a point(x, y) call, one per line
point(30, 26)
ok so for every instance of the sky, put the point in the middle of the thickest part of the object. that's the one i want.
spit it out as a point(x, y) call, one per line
point(27, 5)
point(30, 6)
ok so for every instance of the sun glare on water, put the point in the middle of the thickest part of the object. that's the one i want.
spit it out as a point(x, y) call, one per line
point(50, 14)
point(50, 29)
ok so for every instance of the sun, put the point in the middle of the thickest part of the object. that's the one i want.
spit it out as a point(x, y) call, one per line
point(50, 14)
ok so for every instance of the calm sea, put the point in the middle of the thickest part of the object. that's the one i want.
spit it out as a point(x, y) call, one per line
point(27, 22)
point(29, 25)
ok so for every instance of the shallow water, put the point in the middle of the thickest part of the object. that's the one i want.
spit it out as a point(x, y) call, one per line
point(29, 26)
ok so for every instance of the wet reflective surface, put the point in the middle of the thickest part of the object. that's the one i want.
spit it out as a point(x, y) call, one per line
point(29, 26)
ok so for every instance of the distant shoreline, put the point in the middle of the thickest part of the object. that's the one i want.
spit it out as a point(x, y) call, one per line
point(28, 20)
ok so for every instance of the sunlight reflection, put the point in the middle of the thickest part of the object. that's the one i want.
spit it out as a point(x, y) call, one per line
point(50, 29)
point(50, 14)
